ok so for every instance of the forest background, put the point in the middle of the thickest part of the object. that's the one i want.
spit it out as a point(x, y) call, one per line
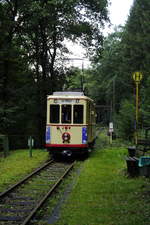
point(33, 65)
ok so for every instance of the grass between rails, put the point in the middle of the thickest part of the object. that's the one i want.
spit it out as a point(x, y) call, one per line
point(104, 195)
point(52, 208)
point(18, 164)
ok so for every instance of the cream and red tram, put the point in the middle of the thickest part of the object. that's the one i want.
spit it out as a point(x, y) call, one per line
point(70, 124)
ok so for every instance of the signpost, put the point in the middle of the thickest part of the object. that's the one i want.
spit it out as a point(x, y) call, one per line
point(30, 145)
point(137, 77)
point(111, 130)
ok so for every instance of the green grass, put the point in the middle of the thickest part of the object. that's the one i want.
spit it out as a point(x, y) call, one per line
point(104, 195)
point(18, 164)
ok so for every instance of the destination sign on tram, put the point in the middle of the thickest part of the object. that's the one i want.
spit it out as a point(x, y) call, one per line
point(66, 101)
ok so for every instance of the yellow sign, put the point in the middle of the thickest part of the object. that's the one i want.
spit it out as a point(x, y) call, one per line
point(137, 76)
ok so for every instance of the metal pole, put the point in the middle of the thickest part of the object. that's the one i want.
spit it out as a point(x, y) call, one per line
point(113, 98)
point(137, 111)
point(82, 77)
point(110, 138)
point(137, 101)
point(137, 77)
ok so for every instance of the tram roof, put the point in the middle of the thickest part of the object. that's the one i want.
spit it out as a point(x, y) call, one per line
point(70, 95)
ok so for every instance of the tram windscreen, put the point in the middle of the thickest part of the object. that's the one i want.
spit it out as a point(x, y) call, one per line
point(54, 113)
point(66, 114)
point(78, 114)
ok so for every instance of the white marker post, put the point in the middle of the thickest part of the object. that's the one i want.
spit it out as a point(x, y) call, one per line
point(30, 145)
point(111, 129)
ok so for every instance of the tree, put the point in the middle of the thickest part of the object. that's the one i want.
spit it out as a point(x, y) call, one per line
point(136, 56)
point(136, 37)
point(107, 72)
point(126, 120)
point(54, 22)
point(34, 31)
point(12, 65)
point(124, 52)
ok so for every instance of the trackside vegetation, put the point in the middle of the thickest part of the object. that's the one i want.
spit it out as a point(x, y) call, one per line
point(102, 194)
point(105, 195)
point(18, 164)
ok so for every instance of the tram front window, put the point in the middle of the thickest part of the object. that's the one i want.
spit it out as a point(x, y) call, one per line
point(78, 114)
point(66, 114)
point(54, 113)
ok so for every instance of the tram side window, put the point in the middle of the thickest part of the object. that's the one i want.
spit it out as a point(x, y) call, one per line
point(66, 114)
point(54, 113)
point(78, 114)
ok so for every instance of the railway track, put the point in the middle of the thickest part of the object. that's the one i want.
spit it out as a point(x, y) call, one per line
point(20, 203)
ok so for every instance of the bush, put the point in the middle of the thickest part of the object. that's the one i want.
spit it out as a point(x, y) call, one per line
point(126, 120)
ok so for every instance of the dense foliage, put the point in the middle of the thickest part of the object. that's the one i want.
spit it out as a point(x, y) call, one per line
point(124, 52)
point(32, 48)
point(33, 36)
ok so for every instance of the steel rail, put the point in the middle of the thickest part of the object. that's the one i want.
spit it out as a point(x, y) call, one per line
point(42, 201)
point(3, 194)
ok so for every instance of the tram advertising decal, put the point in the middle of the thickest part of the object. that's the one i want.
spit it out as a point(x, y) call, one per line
point(84, 135)
point(48, 136)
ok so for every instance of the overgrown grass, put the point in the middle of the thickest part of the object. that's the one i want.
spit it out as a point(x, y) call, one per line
point(105, 195)
point(52, 207)
point(18, 164)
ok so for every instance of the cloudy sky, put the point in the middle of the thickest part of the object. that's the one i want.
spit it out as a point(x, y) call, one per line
point(118, 14)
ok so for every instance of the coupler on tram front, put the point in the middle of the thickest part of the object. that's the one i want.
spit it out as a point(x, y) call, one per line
point(71, 124)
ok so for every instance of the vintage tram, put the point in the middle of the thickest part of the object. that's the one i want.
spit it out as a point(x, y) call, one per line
point(71, 121)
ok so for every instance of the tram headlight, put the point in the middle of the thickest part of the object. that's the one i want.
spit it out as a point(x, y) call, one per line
point(66, 136)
